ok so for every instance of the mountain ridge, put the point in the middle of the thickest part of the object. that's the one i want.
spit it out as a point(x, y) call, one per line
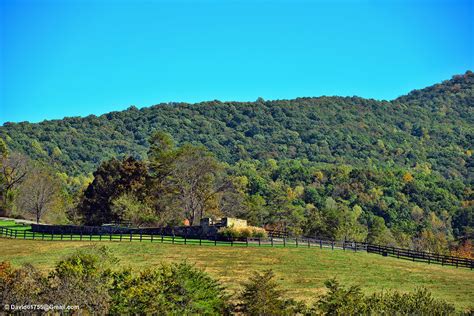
point(431, 126)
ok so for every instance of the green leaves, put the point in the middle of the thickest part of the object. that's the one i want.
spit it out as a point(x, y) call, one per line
point(262, 296)
point(340, 300)
point(177, 289)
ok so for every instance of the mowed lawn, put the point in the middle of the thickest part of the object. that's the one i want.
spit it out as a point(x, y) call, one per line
point(300, 271)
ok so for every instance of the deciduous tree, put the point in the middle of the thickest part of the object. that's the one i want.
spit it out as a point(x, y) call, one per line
point(39, 193)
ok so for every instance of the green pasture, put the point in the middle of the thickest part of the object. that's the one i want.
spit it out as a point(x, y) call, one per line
point(301, 271)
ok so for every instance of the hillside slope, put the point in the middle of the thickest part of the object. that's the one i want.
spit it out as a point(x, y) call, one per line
point(433, 126)
point(300, 271)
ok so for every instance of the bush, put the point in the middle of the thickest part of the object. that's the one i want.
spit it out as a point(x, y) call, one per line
point(178, 289)
point(351, 301)
point(419, 302)
point(259, 232)
point(263, 296)
point(341, 301)
point(22, 286)
point(242, 232)
point(86, 279)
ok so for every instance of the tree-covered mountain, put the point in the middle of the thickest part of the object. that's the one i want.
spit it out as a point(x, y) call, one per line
point(429, 128)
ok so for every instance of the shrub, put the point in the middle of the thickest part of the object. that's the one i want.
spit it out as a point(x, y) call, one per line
point(259, 232)
point(419, 302)
point(242, 232)
point(23, 286)
point(263, 296)
point(177, 289)
point(84, 279)
point(351, 301)
point(228, 232)
point(341, 301)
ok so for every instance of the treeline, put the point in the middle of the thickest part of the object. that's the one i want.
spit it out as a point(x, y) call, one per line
point(431, 127)
point(415, 208)
point(89, 282)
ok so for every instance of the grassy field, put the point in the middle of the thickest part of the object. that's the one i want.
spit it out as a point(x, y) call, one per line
point(300, 271)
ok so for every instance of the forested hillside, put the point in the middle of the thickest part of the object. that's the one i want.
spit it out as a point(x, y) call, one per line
point(431, 128)
point(392, 173)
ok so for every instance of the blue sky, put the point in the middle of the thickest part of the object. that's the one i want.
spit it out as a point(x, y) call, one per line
point(74, 58)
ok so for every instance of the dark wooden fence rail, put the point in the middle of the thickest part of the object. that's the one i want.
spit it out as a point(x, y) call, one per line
point(271, 241)
point(421, 256)
point(277, 233)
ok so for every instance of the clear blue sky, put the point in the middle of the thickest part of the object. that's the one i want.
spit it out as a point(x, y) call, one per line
point(70, 58)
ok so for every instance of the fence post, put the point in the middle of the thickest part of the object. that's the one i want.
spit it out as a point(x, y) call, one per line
point(33, 235)
point(100, 236)
point(130, 236)
point(271, 239)
point(162, 237)
point(247, 241)
point(215, 240)
point(80, 236)
point(344, 245)
point(308, 242)
point(284, 242)
point(355, 246)
point(200, 240)
point(151, 240)
point(61, 236)
point(172, 239)
point(296, 241)
point(320, 244)
point(332, 244)
point(140, 235)
point(71, 235)
point(231, 242)
point(121, 234)
point(24, 234)
point(42, 236)
point(16, 233)
point(259, 241)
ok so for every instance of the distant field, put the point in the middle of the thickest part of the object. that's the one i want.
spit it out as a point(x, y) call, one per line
point(301, 271)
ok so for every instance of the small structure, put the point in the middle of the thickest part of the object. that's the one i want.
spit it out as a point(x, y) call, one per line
point(208, 224)
point(233, 222)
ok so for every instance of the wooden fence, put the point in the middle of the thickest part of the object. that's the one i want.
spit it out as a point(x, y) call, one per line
point(421, 256)
point(412, 255)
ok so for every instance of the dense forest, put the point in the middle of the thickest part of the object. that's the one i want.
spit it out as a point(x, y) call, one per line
point(431, 127)
point(389, 172)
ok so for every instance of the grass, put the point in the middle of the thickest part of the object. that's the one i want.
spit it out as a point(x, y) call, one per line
point(300, 271)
